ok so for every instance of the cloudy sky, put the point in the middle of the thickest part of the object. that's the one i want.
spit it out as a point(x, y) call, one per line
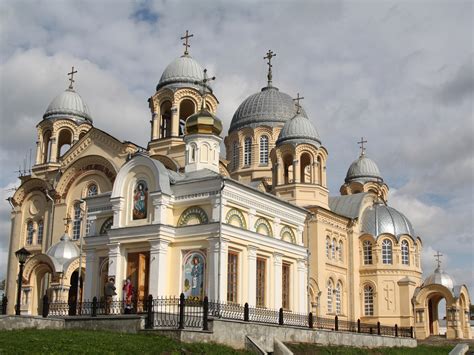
point(399, 73)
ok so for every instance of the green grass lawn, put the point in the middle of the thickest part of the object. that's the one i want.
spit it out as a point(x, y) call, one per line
point(98, 342)
point(307, 349)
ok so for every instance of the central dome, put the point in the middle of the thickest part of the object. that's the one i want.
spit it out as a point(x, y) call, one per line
point(268, 107)
point(299, 130)
point(182, 70)
point(379, 219)
point(68, 104)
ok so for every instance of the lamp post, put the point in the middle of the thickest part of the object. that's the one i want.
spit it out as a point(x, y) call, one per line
point(22, 255)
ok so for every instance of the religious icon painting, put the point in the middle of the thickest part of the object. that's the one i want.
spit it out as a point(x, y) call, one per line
point(140, 200)
point(194, 272)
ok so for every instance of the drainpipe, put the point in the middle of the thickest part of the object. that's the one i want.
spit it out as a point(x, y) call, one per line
point(79, 272)
point(308, 297)
point(220, 243)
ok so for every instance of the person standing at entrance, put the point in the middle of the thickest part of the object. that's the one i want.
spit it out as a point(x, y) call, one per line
point(109, 291)
point(128, 294)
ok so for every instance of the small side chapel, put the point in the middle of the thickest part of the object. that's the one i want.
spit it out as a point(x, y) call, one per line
point(258, 226)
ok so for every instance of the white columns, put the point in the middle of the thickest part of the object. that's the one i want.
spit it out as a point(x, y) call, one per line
point(302, 302)
point(217, 269)
point(91, 271)
point(160, 205)
point(158, 284)
point(116, 266)
point(252, 275)
point(277, 280)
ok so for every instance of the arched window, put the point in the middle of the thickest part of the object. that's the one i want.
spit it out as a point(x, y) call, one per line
point(235, 155)
point(340, 251)
point(288, 168)
point(247, 151)
point(264, 150)
point(368, 300)
point(140, 200)
point(387, 251)
point(405, 253)
point(367, 246)
point(305, 168)
point(39, 238)
point(106, 225)
point(76, 222)
point(338, 298)
point(92, 190)
point(328, 247)
point(29, 233)
point(186, 109)
point(333, 249)
point(330, 295)
point(64, 142)
point(165, 127)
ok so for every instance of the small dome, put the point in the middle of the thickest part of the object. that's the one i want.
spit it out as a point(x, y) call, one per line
point(268, 107)
point(182, 70)
point(379, 219)
point(363, 170)
point(64, 250)
point(299, 130)
point(439, 277)
point(203, 122)
point(68, 104)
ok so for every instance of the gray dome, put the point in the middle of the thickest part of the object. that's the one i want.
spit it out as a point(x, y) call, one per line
point(439, 277)
point(379, 219)
point(68, 104)
point(299, 130)
point(363, 170)
point(182, 70)
point(267, 107)
point(64, 250)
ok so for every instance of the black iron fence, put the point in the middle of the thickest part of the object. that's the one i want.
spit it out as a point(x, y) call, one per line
point(3, 305)
point(182, 313)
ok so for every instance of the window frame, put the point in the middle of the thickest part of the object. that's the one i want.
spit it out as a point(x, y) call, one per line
point(387, 252)
point(368, 300)
point(232, 277)
point(261, 278)
point(247, 151)
point(263, 149)
point(405, 251)
point(30, 231)
point(329, 295)
point(76, 221)
point(367, 250)
point(285, 286)
point(40, 234)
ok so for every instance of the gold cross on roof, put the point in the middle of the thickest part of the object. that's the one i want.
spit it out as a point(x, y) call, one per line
point(361, 143)
point(269, 56)
point(186, 42)
point(438, 256)
point(298, 105)
point(71, 79)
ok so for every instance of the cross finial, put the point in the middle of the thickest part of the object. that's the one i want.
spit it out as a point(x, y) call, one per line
point(71, 79)
point(186, 42)
point(361, 143)
point(269, 56)
point(298, 105)
point(438, 256)
point(67, 221)
point(203, 84)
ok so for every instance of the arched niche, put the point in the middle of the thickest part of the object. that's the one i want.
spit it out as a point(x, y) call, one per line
point(65, 139)
point(236, 218)
point(192, 216)
point(187, 107)
point(165, 124)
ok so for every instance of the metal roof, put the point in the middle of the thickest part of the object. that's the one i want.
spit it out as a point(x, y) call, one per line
point(64, 250)
point(68, 104)
point(299, 130)
point(363, 169)
point(440, 277)
point(379, 219)
point(347, 205)
point(268, 107)
point(182, 70)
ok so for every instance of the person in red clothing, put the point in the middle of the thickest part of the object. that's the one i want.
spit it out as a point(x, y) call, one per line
point(128, 294)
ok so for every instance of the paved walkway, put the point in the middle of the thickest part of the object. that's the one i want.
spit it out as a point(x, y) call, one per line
point(441, 340)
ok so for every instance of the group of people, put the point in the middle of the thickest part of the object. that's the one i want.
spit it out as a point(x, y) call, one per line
point(110, 292)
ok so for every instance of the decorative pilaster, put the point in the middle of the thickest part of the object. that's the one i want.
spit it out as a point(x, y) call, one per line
point(217, 269)
point(160, 205)
point(158, 267)
point(277, 279)
point(91, 222)
point(276, 227)
point(115, 266)
point(252, 218)
point(302, 286)
point(117, 208)
point(54, 150)
point(174, 121)
point(91, 269)
point(252, 275)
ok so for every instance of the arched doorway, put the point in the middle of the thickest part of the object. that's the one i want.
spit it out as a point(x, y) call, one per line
point(75, 284)
point(40, 287)
point(436, 312)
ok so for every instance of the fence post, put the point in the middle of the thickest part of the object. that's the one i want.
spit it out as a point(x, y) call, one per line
point(310, 320)
point(378, 328)
point(396, 330)
point(411, 332)
point(336, 323)
point(280, 317)
point(94, 307)
point(45, 306)
point(181, 311)
point(149, 312)
point(246, 312)
point(205, 311)
point(4, 304)
point(358, 325)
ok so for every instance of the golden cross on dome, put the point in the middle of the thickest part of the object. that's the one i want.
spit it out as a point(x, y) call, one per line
point(438, 256)
point(362, 148)
point(269, 56)
point(67, 221)
point(298, 105)
point(71, 79)
point(203, 84)
point(186, 43)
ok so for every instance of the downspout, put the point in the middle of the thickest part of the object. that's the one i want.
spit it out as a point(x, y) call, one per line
point(220, 243)
point(50, 226)
point(308, 297)
point(351, 271)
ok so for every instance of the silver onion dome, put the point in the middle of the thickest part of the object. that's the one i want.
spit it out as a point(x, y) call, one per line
point(268, 107)
point(440, 277)
point(299, 130)
point(68, 104)
point(183, 71)
point(363, 169)
point(64, 250)
point(379, 219)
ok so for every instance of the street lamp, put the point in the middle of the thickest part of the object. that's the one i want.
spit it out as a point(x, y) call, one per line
point(22, 255)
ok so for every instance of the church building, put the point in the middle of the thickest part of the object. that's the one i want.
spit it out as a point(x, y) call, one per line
point(253, 224)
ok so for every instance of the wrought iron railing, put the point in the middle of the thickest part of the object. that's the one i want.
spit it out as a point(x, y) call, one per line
point(3, 305)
